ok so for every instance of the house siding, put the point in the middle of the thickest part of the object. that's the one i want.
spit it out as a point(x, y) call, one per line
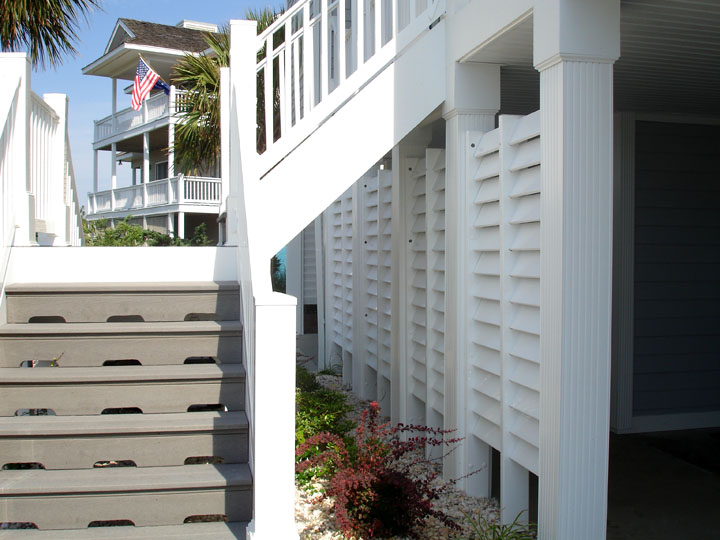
point(677, 269)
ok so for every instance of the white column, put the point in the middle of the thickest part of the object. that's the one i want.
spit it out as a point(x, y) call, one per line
point(134, 176)
point(114, 105)
point(171, 132)
point(95, 171)
point(576, 44)
point(474, 100)
point(113, 166)
point(623, 272)
point(146, 166)
point(320, 287)
point(181, 225)
point(58, 208)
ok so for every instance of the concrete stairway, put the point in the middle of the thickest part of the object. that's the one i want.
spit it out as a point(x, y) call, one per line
point(123, 404)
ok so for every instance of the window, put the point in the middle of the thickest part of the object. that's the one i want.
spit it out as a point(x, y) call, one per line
point(161, 170)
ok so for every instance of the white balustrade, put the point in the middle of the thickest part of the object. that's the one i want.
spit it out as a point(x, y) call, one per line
point(310, 61)
point(154, 108)
point(157, 193)
point(202, 190)
point(43, 125)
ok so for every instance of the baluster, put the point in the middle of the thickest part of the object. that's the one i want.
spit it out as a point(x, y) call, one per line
point(309, 61)
point(296, 77)
point(341, 37)
point(378, 14)
point(324, 51)
point(285, 80)
point(395, 18)
point(359, 24)
point(269, 92)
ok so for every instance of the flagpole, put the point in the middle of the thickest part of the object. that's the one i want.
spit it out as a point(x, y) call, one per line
point(148, 65)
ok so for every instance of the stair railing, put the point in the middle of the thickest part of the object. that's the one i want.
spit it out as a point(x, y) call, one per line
point(312, 59)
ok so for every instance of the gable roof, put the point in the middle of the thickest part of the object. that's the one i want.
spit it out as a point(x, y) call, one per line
point(156, 35)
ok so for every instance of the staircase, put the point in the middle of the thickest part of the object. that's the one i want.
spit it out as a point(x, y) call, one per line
point(122, 412)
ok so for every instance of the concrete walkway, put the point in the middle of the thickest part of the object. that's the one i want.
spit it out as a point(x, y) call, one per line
point(664, 486)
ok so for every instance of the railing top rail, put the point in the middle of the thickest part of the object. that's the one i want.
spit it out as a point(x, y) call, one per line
point(280, 22)
point(40, 102)
point(204, 178)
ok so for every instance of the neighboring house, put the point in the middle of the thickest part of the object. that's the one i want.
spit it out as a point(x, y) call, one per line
point(160, 197)
point(515, 225)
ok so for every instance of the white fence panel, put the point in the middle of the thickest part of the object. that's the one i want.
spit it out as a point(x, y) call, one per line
point(503, 307)
point(384, 286)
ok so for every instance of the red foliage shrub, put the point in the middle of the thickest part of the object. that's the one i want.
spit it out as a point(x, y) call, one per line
point(375, 494)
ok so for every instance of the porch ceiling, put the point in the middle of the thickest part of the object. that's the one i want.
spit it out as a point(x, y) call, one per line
point(670, 59)
point(158, 140)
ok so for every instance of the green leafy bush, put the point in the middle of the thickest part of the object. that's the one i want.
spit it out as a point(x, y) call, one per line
point(485, 529)
point(126, 234)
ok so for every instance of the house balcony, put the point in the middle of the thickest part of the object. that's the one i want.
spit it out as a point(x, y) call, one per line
point(156, 111)
point(178, 194)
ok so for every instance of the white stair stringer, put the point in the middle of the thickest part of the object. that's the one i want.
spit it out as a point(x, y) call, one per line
point(385, 108)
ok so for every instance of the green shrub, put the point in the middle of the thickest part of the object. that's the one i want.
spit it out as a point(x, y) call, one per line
point(484, 529)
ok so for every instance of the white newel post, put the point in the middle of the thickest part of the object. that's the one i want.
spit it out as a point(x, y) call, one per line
point(575, 45)
point(473, 101)
point(268, 318)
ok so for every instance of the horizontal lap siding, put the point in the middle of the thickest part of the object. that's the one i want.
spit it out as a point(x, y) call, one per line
point(677, 269)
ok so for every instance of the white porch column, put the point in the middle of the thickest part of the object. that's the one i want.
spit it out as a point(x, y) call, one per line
point(181, 225)
point(113, 173)
point(114, 105)
point(171, 133)
point(473, 101)
point(575, 45)
point(146, 166)
point(95, 171)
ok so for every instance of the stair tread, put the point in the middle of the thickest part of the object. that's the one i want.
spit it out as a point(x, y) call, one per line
point(124, 479)
point(120, 374)
point(122, 328)
point(120, 287)
point(188, 531)
point(117, 424)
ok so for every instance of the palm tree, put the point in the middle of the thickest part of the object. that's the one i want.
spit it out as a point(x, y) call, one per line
point(197, 135)
point(47, 28)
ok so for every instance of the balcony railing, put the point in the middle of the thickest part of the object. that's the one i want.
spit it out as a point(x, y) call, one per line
point(157, 107)
point(177, 190)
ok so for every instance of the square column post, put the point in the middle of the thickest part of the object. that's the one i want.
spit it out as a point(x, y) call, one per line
point(95, 171)
point(146, 166)
point(576, 43)
point(114, 105)
point(171, 132)
point(113, 174)
point(473, 101)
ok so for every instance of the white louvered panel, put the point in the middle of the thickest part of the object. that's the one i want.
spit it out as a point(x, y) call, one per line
point(417, 293)
point(368, 186)
point(334, 319)
point(347, 284)
point(483, 304)
point(384, 287)
point(520, 186)
point(435, 204)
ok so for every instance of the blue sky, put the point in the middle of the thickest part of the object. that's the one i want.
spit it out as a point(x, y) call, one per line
point(90, 96)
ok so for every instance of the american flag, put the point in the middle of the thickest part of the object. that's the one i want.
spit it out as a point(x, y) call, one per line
point(145, 79)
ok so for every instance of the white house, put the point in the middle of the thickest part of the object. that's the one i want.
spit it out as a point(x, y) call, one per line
point(158, 197)
point(516, 225)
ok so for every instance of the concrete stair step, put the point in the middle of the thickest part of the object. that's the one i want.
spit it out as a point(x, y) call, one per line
point(91, 344)
point(90, 390)
point(188, 531)
point(145, 496)
point(149, 440)
point(97, 302)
